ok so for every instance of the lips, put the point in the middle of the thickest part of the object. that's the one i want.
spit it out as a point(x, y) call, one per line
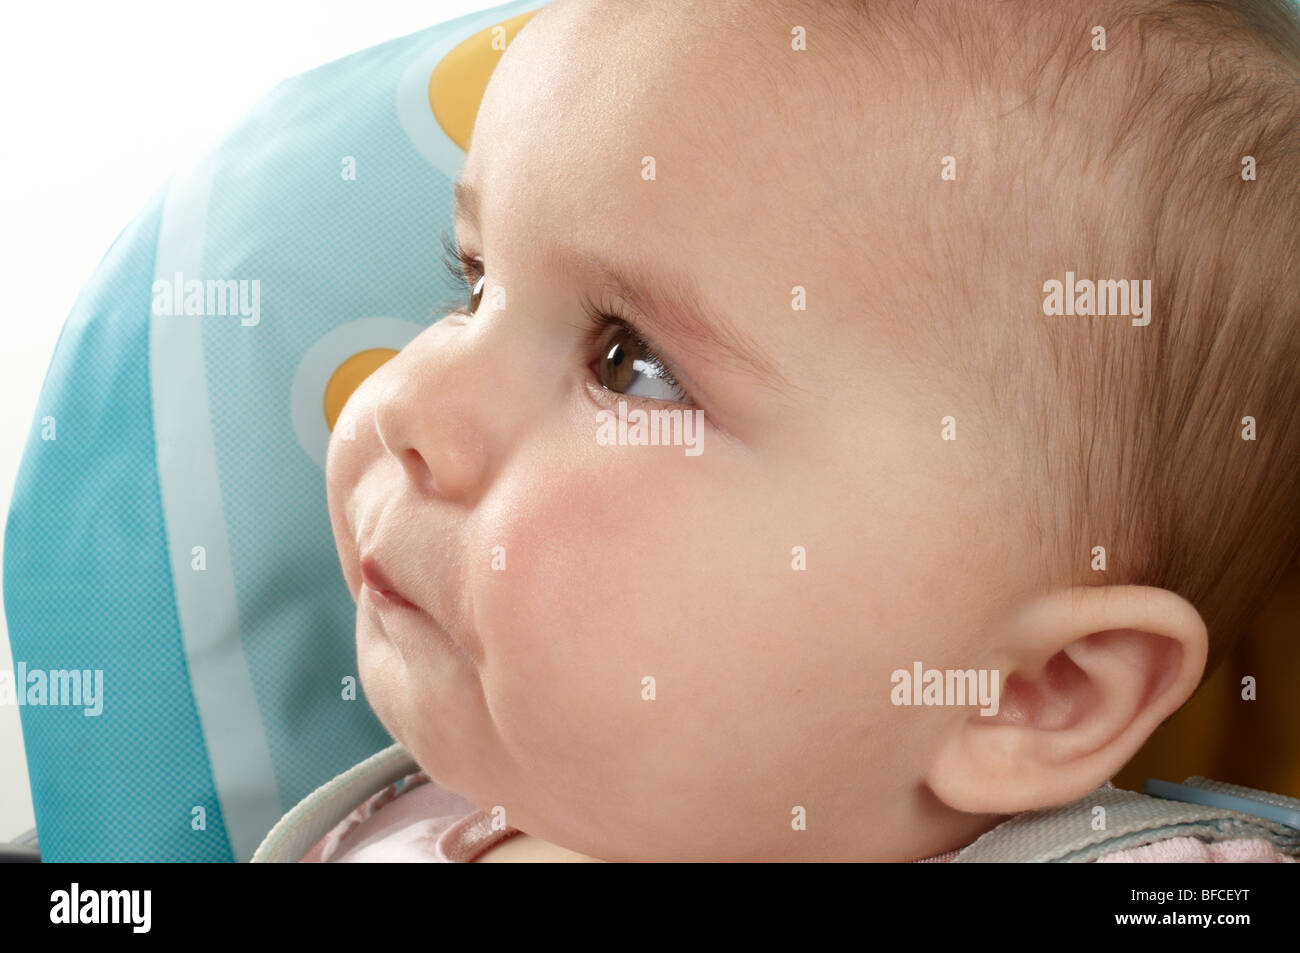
point(380, 591)
point(382, 547)
point(374, 577)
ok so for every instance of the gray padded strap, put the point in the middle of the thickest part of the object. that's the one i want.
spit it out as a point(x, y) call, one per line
point(317, 813)
point(1275, 807)
point(1065, 834)
point(1062, 834)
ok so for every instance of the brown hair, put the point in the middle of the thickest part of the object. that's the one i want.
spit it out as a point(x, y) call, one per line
point(1128, 163)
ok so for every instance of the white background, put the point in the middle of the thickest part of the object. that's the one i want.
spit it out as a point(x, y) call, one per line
point(101, 101)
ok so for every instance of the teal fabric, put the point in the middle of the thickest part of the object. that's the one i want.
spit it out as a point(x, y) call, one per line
point(87, 585)
point(93, 569)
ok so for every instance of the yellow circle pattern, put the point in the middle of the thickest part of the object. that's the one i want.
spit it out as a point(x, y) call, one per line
point(459, 80)
point(348, 377)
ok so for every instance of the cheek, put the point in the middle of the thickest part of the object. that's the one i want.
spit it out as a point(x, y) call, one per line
point(614, 552)
point(623, 563)
point(586, 546)
point(601, 588)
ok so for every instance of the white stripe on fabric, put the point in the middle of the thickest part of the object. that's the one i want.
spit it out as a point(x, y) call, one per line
point(237, 748)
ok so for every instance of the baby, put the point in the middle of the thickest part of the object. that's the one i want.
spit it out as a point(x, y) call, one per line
point(979, 321)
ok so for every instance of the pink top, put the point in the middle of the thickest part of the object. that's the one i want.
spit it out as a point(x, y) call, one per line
point(417, 821)
point(412, 820)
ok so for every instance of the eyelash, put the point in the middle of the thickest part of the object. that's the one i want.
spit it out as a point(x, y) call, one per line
point(461, 264)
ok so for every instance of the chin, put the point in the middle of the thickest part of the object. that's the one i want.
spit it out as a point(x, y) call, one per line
point(382, 674)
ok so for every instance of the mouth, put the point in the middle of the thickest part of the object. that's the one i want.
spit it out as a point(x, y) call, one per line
point(406, 619)
point(383, 591)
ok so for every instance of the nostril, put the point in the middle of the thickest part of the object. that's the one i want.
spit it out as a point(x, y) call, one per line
point(412, 460)
point(418, 469)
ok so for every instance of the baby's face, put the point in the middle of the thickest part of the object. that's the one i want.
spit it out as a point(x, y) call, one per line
point(642, 652)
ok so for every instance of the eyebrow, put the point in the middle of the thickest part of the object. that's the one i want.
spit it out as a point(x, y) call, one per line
point(667, 307)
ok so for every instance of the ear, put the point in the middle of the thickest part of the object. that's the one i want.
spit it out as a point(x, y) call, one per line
point(1089, 674)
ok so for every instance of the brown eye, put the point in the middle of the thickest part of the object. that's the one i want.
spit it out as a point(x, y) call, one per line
point(627, 366)
point(616, 363)
point(466, 270)
point(476, 294)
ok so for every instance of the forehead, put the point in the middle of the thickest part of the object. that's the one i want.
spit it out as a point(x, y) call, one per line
point(667, 137)
point(616, 122)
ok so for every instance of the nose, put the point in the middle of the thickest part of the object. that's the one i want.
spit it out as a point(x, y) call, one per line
point(426, 416)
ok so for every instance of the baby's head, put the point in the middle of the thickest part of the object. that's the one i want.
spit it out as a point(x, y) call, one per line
point(833, 229)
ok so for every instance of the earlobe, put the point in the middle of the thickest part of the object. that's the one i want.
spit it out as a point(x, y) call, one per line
point(1090, 673)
